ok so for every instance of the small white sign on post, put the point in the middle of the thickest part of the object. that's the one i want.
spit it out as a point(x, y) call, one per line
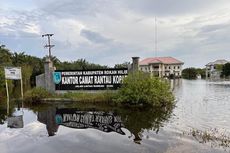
point(13, 73)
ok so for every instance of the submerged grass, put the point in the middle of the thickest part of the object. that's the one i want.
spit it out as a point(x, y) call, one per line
point(213, 136)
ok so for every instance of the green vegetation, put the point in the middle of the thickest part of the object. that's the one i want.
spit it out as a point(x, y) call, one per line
point(192, 73)
point(226, 70)
point(138, 89)
point(36, 95)
point(106, 96)
point(141, 89)
point(217, 138)
point(33, 66)
point(123, 65)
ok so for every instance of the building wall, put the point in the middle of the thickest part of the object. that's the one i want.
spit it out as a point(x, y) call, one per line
point(163, 70)
point(212, 72)
point(40, 81)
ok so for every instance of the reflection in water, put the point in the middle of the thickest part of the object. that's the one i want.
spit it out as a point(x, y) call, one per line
point(48, 118)
point(175, 83)
point(103, 121)
point(136, 120)
point(15, 121)
point(7, 114)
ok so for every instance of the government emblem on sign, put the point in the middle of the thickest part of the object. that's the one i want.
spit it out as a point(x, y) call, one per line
point(57, 77)
point(58, 119)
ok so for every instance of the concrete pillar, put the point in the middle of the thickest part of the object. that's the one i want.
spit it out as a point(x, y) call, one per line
point(135, 64)
point(49, 69)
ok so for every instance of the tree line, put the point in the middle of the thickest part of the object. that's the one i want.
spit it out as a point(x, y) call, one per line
point(192, 73)
point(33, 66)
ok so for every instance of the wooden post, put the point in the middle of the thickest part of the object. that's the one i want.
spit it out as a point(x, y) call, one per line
point(21, 85)
point(8, 98)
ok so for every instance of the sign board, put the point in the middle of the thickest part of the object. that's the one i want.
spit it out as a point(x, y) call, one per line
point(13, 73)
point(103, 121)
point(89, 79)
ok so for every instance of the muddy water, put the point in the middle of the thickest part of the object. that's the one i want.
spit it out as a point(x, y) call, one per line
point(200, 123)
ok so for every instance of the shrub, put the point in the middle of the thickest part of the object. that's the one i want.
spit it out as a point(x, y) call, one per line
point(36, 94)
point(140, 88)
point(189, 73)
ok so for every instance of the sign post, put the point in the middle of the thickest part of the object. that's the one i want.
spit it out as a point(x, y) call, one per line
point(8, 99)
point(13, 73)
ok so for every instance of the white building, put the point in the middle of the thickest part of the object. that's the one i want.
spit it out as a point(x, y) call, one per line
point(213, 69)
point(162, 66)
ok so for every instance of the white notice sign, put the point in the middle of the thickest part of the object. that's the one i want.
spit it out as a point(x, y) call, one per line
point(13, 73)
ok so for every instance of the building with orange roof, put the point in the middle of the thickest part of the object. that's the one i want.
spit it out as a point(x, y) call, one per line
point(162, 66)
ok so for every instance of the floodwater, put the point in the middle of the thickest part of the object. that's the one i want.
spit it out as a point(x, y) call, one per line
point(199, 123)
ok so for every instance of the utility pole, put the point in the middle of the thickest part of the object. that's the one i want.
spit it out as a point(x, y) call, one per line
point(49, 46)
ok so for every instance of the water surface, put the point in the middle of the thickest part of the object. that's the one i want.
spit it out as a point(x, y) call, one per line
point(202, 106)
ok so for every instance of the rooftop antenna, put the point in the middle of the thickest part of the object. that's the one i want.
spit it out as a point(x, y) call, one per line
point(155, 36)
point(49, 46)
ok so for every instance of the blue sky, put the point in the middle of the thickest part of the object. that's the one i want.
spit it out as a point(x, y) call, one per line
point(109, 32)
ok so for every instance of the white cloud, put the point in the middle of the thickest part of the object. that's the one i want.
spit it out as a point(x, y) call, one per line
point(109, 32)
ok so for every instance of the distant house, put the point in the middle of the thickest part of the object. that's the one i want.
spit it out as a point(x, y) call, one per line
point(162, 66)
point(214, 69)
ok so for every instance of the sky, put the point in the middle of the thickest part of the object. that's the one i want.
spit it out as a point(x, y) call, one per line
point(108, 32)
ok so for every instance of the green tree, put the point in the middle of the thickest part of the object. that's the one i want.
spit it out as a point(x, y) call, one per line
point(226, 70)
point(141, 88)
point(201, 72)
point(189, 73)
point(5, 57)
point(123, 65)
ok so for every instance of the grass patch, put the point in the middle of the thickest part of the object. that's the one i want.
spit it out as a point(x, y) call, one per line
point(35, 95)
point(106, 96)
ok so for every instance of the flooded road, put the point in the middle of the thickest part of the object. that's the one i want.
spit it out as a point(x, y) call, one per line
point(199, 123)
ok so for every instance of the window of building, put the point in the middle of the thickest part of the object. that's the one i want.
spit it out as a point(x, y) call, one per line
point(165, 67)
point(178, 67)
point(169, 67)
point(174, 67)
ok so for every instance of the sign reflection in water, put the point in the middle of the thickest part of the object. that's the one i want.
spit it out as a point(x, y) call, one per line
point(135, 120)
point(15, 121)
point(106, 122)
point(73, 118)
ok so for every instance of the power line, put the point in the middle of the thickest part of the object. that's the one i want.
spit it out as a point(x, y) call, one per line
point(49, 46)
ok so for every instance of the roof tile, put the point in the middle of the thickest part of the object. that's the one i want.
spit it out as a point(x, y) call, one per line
point(163, 60)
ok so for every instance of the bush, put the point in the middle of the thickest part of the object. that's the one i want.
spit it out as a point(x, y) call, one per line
point(37, 94)
point(141, 89)
point(189, 73)
point(226, 70)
